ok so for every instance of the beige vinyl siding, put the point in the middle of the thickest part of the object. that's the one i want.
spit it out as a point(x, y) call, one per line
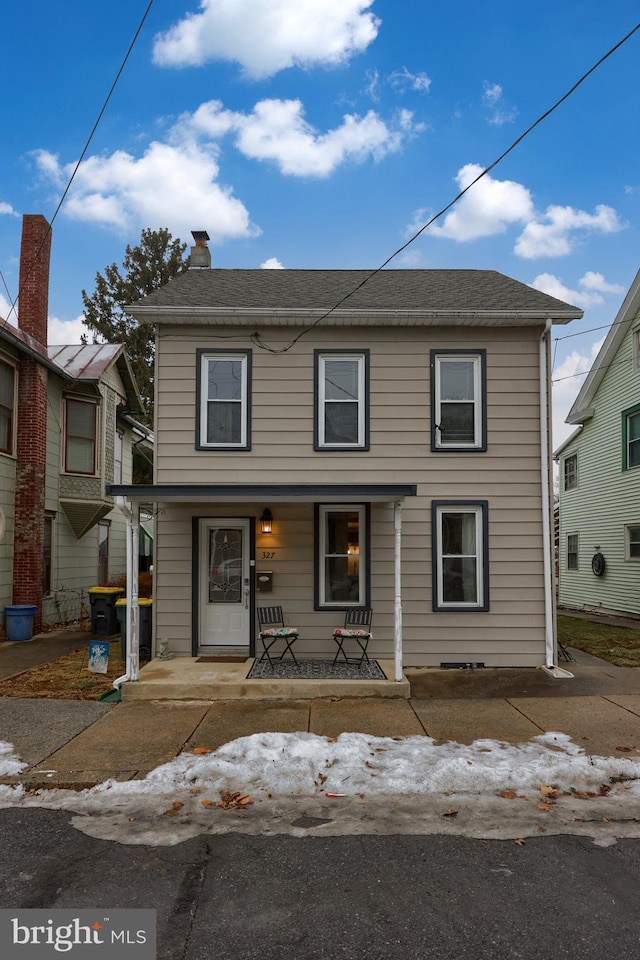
point(507, 475)
point(606, 497)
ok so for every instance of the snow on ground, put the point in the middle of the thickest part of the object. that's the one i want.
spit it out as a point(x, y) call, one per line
point(411, 777)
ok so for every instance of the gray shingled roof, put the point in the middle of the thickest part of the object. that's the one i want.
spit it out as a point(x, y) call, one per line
point(447, 290)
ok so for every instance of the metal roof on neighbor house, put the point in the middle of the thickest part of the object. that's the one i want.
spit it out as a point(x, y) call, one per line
point(85, 361)
point(423, 291)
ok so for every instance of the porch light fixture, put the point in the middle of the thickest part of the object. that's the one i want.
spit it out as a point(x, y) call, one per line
point(266, 521)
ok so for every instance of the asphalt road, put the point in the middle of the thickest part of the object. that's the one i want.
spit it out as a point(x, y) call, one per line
point(358, 898)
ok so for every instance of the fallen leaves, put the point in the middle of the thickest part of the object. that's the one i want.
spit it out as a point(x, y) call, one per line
point(230, 801)
point(625, 749)
point(201, 751)
point(451, 812)
point(512, 795)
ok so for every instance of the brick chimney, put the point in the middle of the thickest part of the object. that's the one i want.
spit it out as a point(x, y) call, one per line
point(33, 303)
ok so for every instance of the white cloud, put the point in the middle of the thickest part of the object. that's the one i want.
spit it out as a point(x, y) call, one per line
point(266, 36)
point(276, 130)
point(488, 208)
point(553, 234)
point(63, 332)
point(7, 209)
point(567, 379)
point(403, 80)
point(170, 186)
point(271, 264)
point(592, 286)
point(6, 313)
point(493, 99)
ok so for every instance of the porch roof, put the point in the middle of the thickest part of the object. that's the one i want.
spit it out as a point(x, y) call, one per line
point(241, 492)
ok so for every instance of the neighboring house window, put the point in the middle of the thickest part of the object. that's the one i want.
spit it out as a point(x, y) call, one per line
point(341, 555)
point(47, 555)
point(636, 348)
point(571, 472)
point(341, 400)
point(223, 421)
point(633, 541)
point(103, 553)
point(631, 438)
point(117, 457)
point(572, 551)
point(460, 555)
point(7, 406)
point(458, 400)
point(80, 436)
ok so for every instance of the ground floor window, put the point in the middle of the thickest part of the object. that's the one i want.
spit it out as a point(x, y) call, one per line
point(572, 551)
point(103, 553)
point(47, 555)
point(460, 555)
point(341, 555)
point(633, 541)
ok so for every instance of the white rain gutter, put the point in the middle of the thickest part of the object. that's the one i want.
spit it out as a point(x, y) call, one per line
point(397, 606)
point(547, 544)
point(131, 511)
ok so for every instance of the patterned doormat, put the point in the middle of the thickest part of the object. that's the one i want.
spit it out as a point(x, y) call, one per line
point(315, 670)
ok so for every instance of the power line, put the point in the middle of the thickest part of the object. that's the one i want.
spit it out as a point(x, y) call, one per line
point(255, 337)
point(82, 155)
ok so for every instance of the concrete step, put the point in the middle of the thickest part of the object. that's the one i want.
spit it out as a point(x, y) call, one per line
point(185, 679)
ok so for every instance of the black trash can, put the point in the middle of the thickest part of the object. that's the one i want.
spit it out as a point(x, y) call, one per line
point(144, 616)
point(104, 621)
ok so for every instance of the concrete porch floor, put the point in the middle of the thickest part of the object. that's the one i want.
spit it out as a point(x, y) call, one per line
point(185, 679)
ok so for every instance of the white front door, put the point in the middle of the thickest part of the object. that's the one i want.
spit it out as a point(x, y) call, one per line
point(225, 585)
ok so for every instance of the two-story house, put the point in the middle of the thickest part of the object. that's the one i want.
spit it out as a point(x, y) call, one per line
point(599, 541)
point(67, 427)
point(328, 439)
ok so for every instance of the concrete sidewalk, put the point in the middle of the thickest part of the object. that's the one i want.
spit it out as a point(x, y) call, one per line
point(78, 744)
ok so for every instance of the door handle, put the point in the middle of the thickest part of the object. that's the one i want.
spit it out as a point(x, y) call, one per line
point(247, 591)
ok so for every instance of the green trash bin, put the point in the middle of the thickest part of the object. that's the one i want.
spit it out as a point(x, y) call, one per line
point(144, 617)
point(104, 621)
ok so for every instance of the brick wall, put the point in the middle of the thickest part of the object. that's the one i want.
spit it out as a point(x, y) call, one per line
point(32, 417)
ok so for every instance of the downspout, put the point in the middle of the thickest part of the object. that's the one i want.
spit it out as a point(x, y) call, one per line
point(547, 545)
point(397, 605)
point(131, 511)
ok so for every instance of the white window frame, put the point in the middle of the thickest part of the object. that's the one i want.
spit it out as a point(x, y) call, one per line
point(636, 348)
point(570, 474)
point(478, 442)
point(351, 356)
point(13, 410)
point(205, 359)
point(118, 451)
point(480, 512)
point(629, 527)
point(323, 513)
point(576, 551)
point(65, 446)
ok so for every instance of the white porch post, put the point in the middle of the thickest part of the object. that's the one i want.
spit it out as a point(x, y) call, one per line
point(397, 594)
point(133, 618)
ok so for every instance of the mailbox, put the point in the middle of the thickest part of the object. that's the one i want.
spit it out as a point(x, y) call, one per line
point(264, 581)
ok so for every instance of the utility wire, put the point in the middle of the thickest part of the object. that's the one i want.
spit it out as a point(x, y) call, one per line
point(260, 343)
point(82, 155)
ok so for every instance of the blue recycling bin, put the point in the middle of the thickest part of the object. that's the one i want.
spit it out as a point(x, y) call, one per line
point(19, 621)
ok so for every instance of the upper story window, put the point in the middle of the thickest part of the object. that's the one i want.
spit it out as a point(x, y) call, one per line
point(341, 555)
point(636, 348)
point(460, 555)
point(223, 419)
point(80, 436)
point(458, 400)
point(118, 446)
point(631, 438)
point(341, 400)
point(7, 406)
point(570, 472)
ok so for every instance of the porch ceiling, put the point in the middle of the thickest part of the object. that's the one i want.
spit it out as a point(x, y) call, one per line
point(242, 492)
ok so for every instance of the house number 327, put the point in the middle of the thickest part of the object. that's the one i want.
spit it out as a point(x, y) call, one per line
point(268, 554)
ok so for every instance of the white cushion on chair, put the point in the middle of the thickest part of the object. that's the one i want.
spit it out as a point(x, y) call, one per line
point(343, 632)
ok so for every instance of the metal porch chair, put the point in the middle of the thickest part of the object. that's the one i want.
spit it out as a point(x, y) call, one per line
point(357, 626)
point(271, 629)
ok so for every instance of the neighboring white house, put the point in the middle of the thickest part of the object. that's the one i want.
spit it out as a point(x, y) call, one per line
point(399, 440)
point(67, 428)
point(599, 467)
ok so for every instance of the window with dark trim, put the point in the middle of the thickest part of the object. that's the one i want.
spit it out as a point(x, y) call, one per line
point(341, 400)
point(342, 555)
point(631, 437)
point(570, 472)
point(458, 400)
point(572, 551)
point(47, 555)
point(118, 447)
point(223, 418)
point(7, 406)
point(104, 528)
point(632, 538)
point(80, 436)
point(460, 554)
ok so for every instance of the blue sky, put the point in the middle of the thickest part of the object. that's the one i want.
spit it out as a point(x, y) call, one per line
point(323, 133)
